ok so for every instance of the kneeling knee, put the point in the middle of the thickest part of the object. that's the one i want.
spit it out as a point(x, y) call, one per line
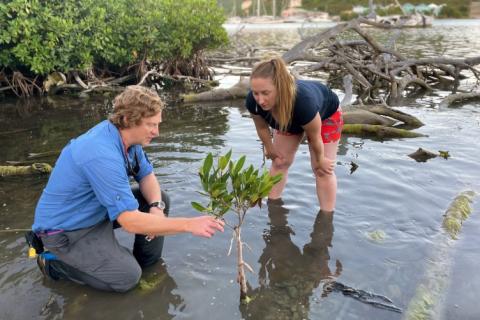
point(128, 280)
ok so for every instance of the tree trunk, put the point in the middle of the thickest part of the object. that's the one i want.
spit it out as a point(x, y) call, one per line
point(241, 270)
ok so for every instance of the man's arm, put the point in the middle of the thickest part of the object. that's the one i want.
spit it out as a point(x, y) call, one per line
point(150, 189)
point(142, 223)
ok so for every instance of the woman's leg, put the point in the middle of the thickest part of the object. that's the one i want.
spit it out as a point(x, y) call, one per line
point(326, 184)
point(286, 146)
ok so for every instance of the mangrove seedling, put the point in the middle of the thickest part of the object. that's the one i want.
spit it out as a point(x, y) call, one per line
point(229, 187)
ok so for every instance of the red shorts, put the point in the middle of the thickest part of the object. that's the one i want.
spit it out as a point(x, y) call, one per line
point(331, 128)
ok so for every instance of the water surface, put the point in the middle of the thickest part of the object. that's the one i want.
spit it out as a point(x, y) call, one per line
point(294, 249)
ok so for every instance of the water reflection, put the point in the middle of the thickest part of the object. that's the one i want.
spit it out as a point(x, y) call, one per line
point(41, 125)
point(288, 277)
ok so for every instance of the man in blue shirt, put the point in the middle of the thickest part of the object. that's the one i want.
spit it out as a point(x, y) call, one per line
point(89, 194)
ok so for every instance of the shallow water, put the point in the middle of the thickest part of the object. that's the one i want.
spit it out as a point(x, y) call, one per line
point(294, 249)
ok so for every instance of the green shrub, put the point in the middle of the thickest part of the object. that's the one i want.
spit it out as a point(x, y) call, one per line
point(450, 12)
point(348, 15)
point(41, 36)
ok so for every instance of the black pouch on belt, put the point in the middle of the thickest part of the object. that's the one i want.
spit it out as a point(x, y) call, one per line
point(35, 244)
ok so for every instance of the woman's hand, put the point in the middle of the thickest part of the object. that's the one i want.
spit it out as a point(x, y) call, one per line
point(324, 167)
point(271, 153)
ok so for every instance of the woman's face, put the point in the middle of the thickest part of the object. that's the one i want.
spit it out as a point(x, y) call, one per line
point(264, 92)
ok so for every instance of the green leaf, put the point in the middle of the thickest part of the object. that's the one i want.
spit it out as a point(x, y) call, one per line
point(224, 160)
point(197, 206)
point(239, 165)
point(207, 164)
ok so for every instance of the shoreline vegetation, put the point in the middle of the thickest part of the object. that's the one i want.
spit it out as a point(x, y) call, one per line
point(84, 46)
point(88, 45)
point(342, 9)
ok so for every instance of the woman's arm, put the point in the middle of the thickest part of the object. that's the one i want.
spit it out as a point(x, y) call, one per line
point(263, 132)
point(313, 130)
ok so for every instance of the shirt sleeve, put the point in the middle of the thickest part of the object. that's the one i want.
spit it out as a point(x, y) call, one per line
point(109, 181)
point(251, 104)
point(145, 166)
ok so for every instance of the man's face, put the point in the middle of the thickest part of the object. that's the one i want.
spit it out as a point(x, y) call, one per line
point(146, 130)
point(264, 92)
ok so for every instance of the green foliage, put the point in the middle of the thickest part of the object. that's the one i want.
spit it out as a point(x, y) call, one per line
point(450, 12)
point(348, 15)
point(389, 11)
point(41, 36)
point(228, 184)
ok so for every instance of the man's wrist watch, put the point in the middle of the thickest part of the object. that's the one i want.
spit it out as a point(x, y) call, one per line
point(158, 204)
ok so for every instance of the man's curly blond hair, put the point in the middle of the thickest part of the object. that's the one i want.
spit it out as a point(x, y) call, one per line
point(134, 104)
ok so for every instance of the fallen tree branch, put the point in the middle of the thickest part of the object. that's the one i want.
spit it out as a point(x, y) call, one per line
point(238, 91)
point(457, 97)
point(379, 131)
point(36, 168)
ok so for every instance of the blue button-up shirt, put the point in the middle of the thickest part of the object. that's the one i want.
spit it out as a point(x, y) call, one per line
point(90, 181)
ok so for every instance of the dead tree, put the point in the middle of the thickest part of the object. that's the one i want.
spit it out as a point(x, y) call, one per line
point(379, 72)
point(376, 69)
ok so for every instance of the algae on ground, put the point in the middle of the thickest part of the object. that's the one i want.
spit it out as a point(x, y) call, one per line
point(427, 300)
point(457, 212)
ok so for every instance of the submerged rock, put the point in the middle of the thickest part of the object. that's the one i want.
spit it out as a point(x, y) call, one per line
point(422, 155)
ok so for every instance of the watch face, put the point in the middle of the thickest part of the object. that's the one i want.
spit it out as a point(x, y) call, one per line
point(159, 204)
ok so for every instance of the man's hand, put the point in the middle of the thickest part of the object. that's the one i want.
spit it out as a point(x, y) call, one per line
point(324, 167)
point(204, 226)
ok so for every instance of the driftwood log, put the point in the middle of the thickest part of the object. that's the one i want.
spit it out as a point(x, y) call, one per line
point(36, 168)
point(238, 91)
point(460, 97)
point(379, 72)
point(375, 68)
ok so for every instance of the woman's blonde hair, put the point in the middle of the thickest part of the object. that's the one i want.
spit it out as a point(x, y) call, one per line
point(284, 83)
point(134, 104)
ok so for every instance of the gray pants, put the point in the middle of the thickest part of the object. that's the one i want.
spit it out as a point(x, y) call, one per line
point(93, 256)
